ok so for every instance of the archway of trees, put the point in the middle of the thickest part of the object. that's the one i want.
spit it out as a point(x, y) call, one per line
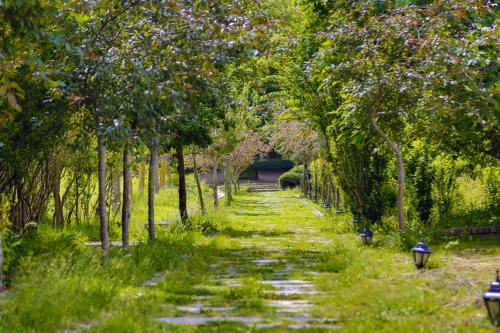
point(386, 108)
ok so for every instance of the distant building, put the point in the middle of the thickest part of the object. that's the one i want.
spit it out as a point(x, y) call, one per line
point(264, 171)
point(267, 170)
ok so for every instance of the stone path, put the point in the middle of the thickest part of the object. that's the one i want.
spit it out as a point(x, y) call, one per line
point(279, 256)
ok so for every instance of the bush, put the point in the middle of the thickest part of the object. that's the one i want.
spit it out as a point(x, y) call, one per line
point(289, 179)
point(272, 165)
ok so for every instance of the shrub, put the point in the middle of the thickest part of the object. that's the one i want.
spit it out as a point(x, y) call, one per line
point(272, 165)
point(289, 179)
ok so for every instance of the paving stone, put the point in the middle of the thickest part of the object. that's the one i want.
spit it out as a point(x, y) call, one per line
point(91, 243)
point(198, 320)
point(265, 261)
point(317, 213)
point(201, 307)
point(157, 278)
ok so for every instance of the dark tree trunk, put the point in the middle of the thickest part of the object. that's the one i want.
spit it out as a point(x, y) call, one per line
point(227, 186)
point(1, 248)
point(181, 170)
point(101, 174)
point(151, 191)
point(198, 185)
point(214, 187)
point(126, 196)
point(58, 205)
point(324, 187)
point(334, 193)
point(316, 184)
point(77, 197)
point(167, 170)
point(306, 181)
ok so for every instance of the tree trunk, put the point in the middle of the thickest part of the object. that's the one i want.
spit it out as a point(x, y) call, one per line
point(198, 185)
point(101, 174)
point(401, 188)
point(334, 192)
point(58, 205)
point(401, 170)
point(1, 248)
point(214, 187)
point(151, 191)
point(181, 170)
point(126, 197)
point(142, 177)
point(169, 175)
point(1, 258)
point(227, 186)
point(316, 184)
point(77, 197)
point(324, 186)
point(307, 187)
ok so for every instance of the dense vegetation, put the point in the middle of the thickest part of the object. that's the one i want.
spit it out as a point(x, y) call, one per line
point(112, 112)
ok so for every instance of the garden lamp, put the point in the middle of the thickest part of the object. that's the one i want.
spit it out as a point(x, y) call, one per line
point(492, 301)
point(366, 235)
point(325, 204)
point(421, 254)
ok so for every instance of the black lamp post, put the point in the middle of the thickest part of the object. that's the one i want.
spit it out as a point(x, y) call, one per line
point(325, 204)
point(492, 301)
point(357, 220)
point(421, 254)
point(366, 235)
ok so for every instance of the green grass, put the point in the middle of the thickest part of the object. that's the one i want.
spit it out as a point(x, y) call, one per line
point(60, 284)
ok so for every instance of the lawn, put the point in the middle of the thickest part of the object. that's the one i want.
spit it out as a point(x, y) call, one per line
point(272, 262)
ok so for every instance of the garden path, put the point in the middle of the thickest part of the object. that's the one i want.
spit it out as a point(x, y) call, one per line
point(264, 271)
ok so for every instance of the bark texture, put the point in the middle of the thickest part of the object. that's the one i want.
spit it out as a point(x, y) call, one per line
point(151, 191)
point(181, 170)
point(198, 184)
point(103, 218)
point(126, 197)
point(214, 186)
point(58, 205)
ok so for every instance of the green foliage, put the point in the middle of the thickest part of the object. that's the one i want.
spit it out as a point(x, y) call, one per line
point(445, 187)
point(492, 179)
point(209, 224)
point(421, 177)
point(290, 179)
point(272, 165)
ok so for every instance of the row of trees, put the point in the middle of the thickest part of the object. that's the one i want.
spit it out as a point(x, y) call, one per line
point(137, 80)
point(371, 97)
point(382, 90)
